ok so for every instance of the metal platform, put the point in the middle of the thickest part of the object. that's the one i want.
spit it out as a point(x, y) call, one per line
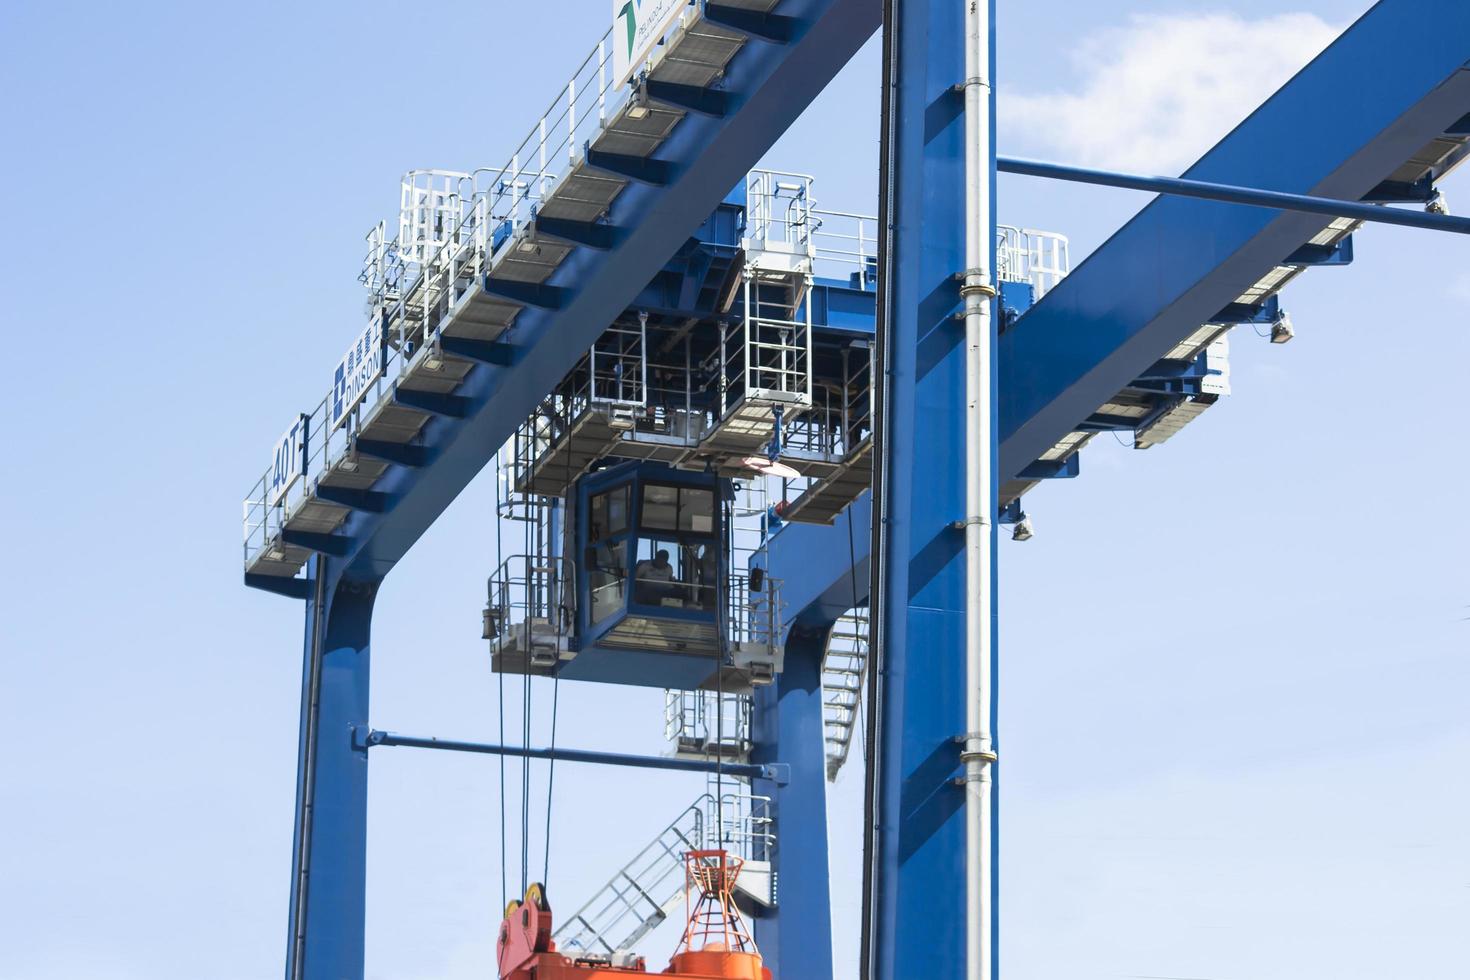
point(821, 502)
point(444, 308)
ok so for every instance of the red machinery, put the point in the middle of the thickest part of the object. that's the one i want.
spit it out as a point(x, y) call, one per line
point(716, 944)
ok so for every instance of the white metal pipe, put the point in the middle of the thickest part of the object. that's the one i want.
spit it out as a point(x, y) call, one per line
point(978, 291)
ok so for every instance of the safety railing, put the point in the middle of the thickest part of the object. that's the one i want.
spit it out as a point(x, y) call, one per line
point(530, 591)
point(641, 893)
point(765, 357)
point(707, 721)
point(776, 366)
point(651, 589)
point(468, 221)
point(781, 215)
point(617, 371)
point(840, 418)
point(1040, 258)
point(454, 227)
point(818, 431)
point(671, 412)
point(778, 211)
point(513, 504)
point(753, 610)
point(743, 821)
point(846, 246)
point(275, 499)
point(612, 379)
point(751, 615)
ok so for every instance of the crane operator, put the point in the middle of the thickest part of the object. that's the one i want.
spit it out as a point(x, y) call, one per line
point(653, 580)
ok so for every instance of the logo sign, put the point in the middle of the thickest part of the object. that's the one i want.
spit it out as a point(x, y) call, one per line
point(358, 369)
point(288, 461)
point(638, 25)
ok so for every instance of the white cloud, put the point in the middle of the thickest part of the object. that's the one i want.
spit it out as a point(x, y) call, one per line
point(1155, 95)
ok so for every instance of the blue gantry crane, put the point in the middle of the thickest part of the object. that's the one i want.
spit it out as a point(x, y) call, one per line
point(758, 450)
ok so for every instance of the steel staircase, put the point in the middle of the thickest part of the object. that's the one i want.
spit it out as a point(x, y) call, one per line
point(640, 896)
point(843, 667)
point(643, 892)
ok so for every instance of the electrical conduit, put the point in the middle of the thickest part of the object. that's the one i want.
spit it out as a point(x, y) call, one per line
point(978, 292)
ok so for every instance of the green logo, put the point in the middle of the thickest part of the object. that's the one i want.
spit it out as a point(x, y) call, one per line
point(629, 15)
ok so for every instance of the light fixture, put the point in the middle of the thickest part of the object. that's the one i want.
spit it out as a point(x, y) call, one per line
point(1281, 330)
point(1023, 530)
point(769, 467)
point(638, 108)
point(1437, 203)
point(491, 623)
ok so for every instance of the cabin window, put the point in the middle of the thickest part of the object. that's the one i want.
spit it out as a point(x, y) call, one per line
point(685, 510)
point(609, 514)
point(607, 551)
point(677, 574)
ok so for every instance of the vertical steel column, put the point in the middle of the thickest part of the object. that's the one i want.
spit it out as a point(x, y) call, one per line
point(329, 856)
point(787, 728)
point(917, 898)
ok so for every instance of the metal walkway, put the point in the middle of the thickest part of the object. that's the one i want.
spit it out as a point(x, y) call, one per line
point(554, 244)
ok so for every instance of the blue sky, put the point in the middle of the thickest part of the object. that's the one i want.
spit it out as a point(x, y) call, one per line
point(1234, 667)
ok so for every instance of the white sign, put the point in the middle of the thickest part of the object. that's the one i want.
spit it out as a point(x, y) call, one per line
point(287, 461)
point(358, 369)
point(638, 25)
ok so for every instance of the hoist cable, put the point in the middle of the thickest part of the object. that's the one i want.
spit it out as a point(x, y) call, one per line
point(559, 610)
point(504, 892)
point(500, 677)
point(550, 778)
point(529, 538)
point(852, 578)
point(723, 620)
point(873, 884)
point(525, 782)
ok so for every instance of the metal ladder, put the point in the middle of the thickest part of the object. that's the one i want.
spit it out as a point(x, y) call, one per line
point(640, 896)
point(843, 667)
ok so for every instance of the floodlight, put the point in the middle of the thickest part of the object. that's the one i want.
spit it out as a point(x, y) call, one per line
point(1437, 203)
point(638, 108)
point(1281, 331)
point(1023, 531)
point(769, 467)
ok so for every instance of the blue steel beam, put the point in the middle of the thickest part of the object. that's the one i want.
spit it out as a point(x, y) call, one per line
point(1232, 194)
point(1339, 129)
point(795, 553)
point(329, 849)
point(767, 86)
point(1378, 95)
point(916, 882)
point(796, 941)
point(772, 771)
